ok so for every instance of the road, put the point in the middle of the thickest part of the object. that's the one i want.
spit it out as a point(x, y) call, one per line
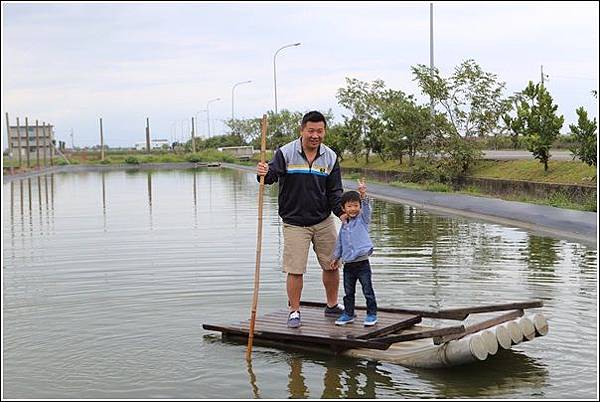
point(505, 155)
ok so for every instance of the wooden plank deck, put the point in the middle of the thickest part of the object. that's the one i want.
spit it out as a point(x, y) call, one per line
point(318, 329)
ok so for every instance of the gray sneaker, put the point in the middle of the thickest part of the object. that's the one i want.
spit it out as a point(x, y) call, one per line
point(335, 311)
point(294, 320)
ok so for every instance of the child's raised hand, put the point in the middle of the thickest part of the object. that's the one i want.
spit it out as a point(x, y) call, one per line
point(362, 187)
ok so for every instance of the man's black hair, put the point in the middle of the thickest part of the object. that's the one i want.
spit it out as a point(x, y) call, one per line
point(349, 196)
point(314, 117)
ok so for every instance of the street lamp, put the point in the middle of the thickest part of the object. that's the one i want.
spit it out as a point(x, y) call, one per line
point(275, 69)
point(196, 115)
point(208, 113)
point(232, 98)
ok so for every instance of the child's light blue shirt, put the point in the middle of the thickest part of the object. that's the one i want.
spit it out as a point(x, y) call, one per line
point(353, 242)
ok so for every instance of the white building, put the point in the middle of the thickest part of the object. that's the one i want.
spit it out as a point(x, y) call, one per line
point(154, 144)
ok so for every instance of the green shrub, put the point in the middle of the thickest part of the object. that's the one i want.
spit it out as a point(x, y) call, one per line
point(194, 158)
point(105, 162)
point(132, 160)
point(426, 171)
point(62, 162)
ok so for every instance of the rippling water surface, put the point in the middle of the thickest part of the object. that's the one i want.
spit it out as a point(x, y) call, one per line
point(108, 278)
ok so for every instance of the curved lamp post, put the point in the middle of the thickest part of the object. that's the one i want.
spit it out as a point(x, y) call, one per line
point(233, 96)
point(275, 69)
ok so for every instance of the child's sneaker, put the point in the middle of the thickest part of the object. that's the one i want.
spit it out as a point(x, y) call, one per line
point(294, 320)
point(370, 319)
point(334, 311)
point(344, 319)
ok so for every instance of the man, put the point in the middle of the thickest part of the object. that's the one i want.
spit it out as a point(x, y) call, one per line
point(310, 187)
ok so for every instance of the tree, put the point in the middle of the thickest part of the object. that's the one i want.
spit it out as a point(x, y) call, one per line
point(471, 98)
point(512, 124)
point(336, 140)
point(538, 120)
point(585, 137)
point(282, 128)
point(472, 105)
point(407, 124)
point(352, 132)
point(246, 129)
point(362, 100)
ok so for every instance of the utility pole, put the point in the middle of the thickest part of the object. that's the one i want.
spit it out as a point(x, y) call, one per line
point(543, 76)
point(431, 49)
point(72, 141)
point(193, 139)
point(147, 135)
point(101, 141)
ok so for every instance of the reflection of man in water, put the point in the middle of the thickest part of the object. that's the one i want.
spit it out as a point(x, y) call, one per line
point(296, 386)
point(343, 378)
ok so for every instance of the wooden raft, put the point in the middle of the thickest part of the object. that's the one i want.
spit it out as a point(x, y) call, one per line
point(393, 325)
point(318, 329)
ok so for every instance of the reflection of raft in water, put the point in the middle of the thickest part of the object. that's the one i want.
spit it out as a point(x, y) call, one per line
point(400, 336)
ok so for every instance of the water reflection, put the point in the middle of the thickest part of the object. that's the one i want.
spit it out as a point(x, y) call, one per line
point(541, 255)
point(149, 182)
point(501, 375)
point(252, 377)
point(103, 176)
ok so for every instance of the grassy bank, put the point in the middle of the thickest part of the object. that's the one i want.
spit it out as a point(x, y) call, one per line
point(559, 200)
point(115, 158)
point(560, 172)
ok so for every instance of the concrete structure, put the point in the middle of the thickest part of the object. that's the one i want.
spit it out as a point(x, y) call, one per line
point(46, 141)
point(242, 152)
point(154, 144)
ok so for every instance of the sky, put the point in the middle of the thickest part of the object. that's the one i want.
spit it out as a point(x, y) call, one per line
point(70, 63)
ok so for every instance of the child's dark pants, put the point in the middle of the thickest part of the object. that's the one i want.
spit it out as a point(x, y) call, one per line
point(361, 271)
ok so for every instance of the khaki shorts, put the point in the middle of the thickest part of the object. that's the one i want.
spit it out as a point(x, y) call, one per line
point(296, 242)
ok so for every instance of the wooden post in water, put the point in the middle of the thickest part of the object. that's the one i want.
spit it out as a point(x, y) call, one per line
point(27, 142)
point(45, 137)
point(147, 135)
point(193, 139)
point(51, 146)
point(37, 145)
point(19, 143)
point(10, 153)
point(101, 141)
point(8, 135)
point(261, 190)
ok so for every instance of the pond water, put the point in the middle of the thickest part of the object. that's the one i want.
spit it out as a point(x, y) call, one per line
point(109, 276)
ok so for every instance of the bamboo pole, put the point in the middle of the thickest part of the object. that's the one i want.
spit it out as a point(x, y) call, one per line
point(261, 189)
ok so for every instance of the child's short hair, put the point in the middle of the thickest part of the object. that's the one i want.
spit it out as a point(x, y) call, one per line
point(349, 196)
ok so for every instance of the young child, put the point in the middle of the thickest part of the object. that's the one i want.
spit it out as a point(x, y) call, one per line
point(353, 247)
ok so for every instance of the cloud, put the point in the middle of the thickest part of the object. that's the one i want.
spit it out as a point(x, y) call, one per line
point(68, 64)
